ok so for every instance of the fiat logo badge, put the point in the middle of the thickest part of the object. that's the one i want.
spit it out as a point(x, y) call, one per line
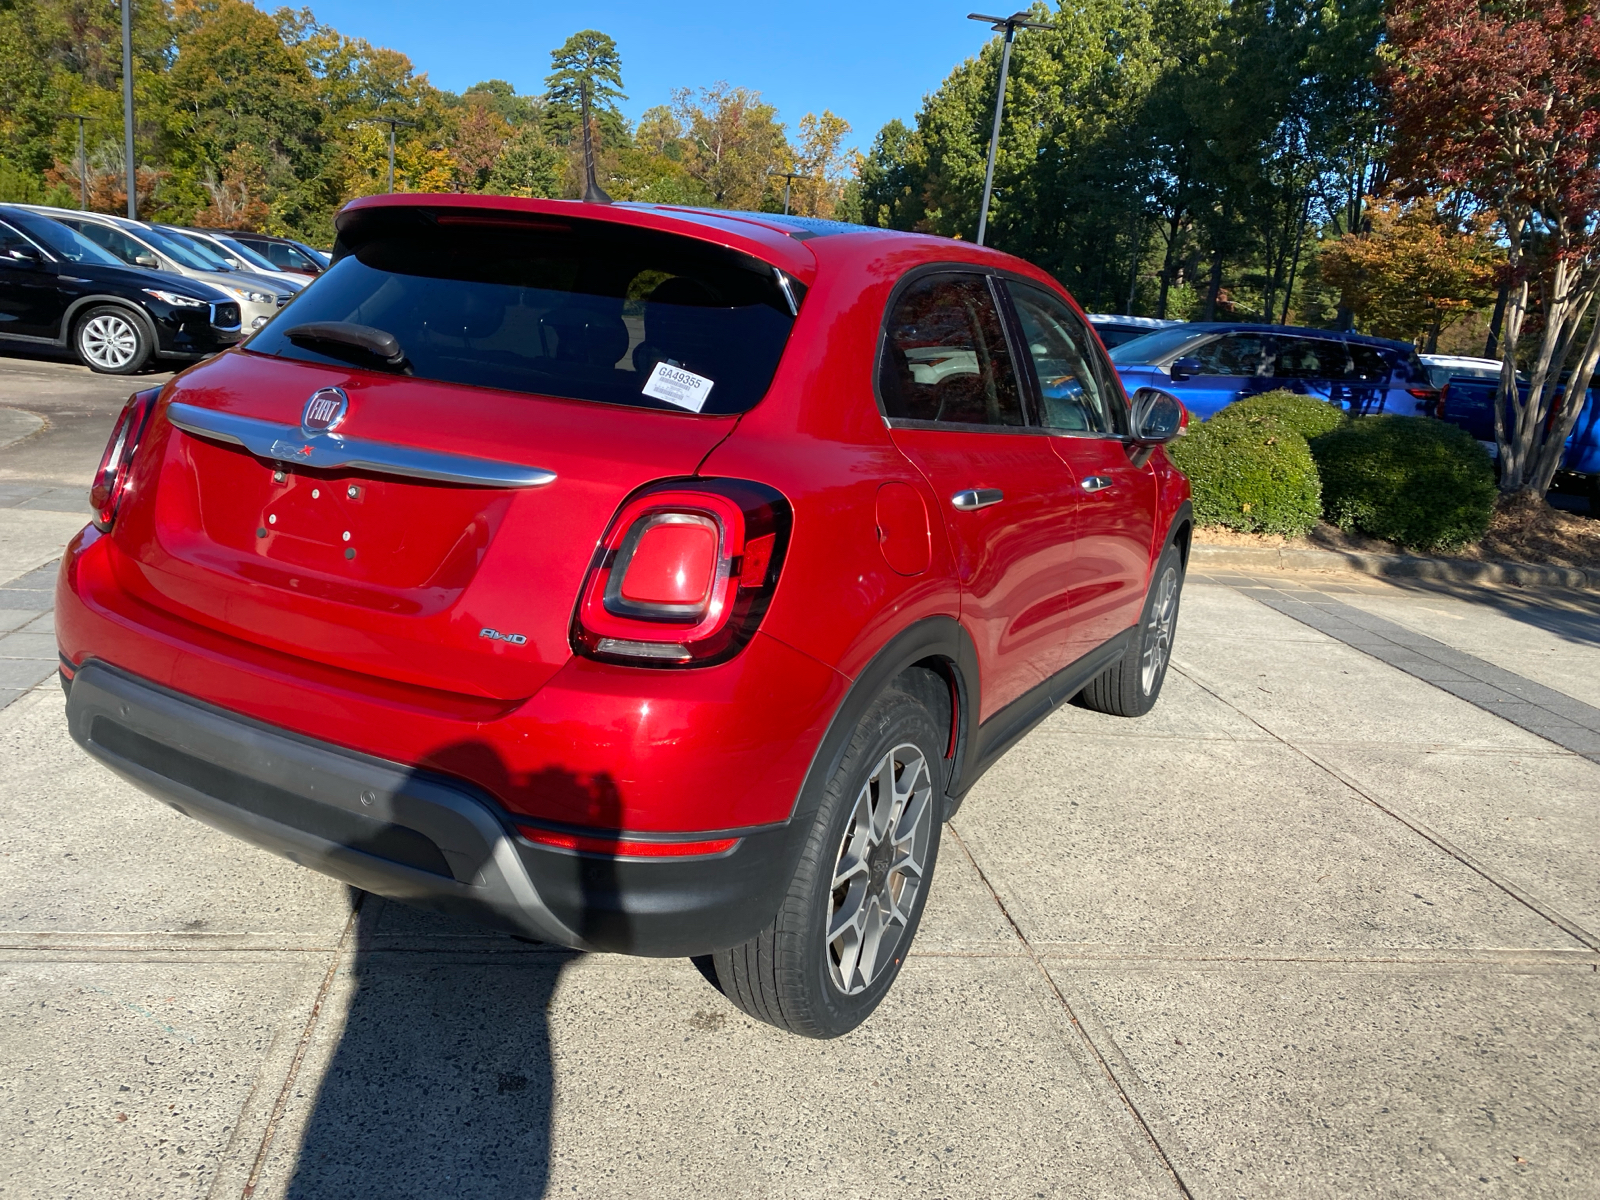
point(324, 411)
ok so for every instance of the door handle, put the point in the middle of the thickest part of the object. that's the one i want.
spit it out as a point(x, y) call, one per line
point(1097, 483)
point(973, 499)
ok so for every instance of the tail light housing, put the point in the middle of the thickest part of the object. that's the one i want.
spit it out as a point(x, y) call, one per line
point(684, 574)
point(111, 479)
point(1427, 399)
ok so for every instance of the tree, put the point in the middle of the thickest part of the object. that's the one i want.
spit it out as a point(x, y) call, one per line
point(821, 163)
point(733, 144)
point(586, 70)
point(891, 195)
point(527, 165)
point(1500, 99)
point(1411, 274)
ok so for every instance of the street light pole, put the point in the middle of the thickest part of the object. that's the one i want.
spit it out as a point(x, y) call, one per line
point(788, 180)
point(127, 107)
point(1008, 26)
point(391, 122)
point(83, 168)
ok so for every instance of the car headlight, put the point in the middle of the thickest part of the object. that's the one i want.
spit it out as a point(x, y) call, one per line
point(252, 297)
point(176, 299)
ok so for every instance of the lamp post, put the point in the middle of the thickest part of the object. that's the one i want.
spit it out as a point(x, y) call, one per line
point(391, 122)
point(1008, 26)
point(788, 180)
point(127, 107)
point(83, 168)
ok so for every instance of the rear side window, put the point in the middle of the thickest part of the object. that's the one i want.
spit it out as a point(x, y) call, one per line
point(944, 356)
point(1368, 365)
point(114, 240)
point(1310, 358)
point(1233, 354)
point(584, 310)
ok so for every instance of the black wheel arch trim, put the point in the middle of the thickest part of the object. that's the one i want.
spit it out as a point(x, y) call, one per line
point(69, 322)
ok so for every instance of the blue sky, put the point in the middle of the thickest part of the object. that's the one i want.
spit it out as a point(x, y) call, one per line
point(868, 61)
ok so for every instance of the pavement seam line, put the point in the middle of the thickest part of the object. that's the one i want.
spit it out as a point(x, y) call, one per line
point(1567, 926)
point(1319, 611)
point(275, 1118)
point(1083, 1033)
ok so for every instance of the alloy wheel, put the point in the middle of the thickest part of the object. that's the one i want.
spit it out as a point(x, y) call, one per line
point(109, 341)
point(881, 869)
point(1158, 630)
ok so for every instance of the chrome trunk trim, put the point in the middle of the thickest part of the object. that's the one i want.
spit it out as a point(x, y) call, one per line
point(330, 451)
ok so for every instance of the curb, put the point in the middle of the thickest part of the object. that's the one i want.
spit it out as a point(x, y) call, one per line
point(1397, 566)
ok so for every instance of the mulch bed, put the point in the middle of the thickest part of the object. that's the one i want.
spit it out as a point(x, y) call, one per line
point(1523, 529)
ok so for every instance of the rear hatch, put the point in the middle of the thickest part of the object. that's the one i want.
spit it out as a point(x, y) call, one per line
point(528, 359)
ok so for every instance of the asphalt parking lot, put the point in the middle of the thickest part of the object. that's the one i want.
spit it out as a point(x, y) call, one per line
point(1326, 923)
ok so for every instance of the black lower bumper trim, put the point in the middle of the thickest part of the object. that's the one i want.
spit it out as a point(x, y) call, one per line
point(420, 838)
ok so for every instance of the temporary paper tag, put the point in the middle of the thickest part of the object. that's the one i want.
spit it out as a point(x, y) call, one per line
point(677, 386)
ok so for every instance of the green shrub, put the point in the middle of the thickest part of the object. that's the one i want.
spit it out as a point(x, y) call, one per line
point(1418, 482)
point(1252, 473)
point(1306, 415)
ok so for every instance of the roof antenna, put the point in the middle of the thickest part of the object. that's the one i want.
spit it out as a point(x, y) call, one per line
point(593, 193)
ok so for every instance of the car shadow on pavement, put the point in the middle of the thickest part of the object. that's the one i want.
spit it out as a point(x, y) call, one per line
point(442, 1082)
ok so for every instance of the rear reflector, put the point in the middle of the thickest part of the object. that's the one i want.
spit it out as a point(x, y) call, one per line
point(624, 847)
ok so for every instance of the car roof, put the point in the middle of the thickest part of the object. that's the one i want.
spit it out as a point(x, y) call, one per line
point(1343, 335)
point(772, 237)
point(1459, 360)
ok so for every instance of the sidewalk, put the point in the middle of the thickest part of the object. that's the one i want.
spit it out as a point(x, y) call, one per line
point(1314, 927)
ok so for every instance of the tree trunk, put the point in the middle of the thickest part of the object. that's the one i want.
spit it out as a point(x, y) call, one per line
point(1491, 347)
point(1166, 263)
point(1214, 288)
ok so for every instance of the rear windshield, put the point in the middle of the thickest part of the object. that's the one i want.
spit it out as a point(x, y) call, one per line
point(585, 310)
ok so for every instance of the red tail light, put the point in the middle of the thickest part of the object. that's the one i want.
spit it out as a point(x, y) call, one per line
point(111, 480)
point(684, 574)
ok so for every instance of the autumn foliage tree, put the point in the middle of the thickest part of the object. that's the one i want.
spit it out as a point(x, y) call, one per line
point(1411, 273)
point(1500, 100)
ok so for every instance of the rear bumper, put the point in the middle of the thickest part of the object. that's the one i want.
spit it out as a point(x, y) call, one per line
point(417, 837)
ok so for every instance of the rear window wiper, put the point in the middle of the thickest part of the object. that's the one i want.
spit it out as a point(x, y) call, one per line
point(362, 345)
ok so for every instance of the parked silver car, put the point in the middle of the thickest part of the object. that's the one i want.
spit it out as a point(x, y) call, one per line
point(238, 255)
point(143, 245)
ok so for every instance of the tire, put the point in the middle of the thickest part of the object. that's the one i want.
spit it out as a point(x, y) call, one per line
point(112, 341)
point(791, 974)
point(1130, 686)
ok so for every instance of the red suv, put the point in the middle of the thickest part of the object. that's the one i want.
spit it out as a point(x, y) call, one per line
point(631, 578)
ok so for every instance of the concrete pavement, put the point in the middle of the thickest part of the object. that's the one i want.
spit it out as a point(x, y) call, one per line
point(1314, 927)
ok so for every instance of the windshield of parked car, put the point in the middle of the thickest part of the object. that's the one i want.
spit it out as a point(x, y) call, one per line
point(183, 251)
point(68, 244)
point(1153, 347)
point(586, 310)
point(249, 257)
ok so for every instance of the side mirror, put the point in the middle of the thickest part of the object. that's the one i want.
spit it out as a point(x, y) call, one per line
point(1184, 367)
point(1157, 418)
point(149, 261)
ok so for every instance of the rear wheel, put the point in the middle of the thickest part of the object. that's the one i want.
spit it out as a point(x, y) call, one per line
point(1130, 686)
point(112, 341)
point(839, 939)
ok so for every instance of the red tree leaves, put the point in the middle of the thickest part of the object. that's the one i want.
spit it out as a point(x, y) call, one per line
point(1499, 101)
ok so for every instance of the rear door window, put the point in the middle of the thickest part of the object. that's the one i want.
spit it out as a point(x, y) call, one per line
point(945, 358)
point(585, 310)
point(1233, 354)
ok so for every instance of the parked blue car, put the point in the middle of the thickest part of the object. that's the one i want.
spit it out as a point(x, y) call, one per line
point(1469, 403)
point(1210, 365)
